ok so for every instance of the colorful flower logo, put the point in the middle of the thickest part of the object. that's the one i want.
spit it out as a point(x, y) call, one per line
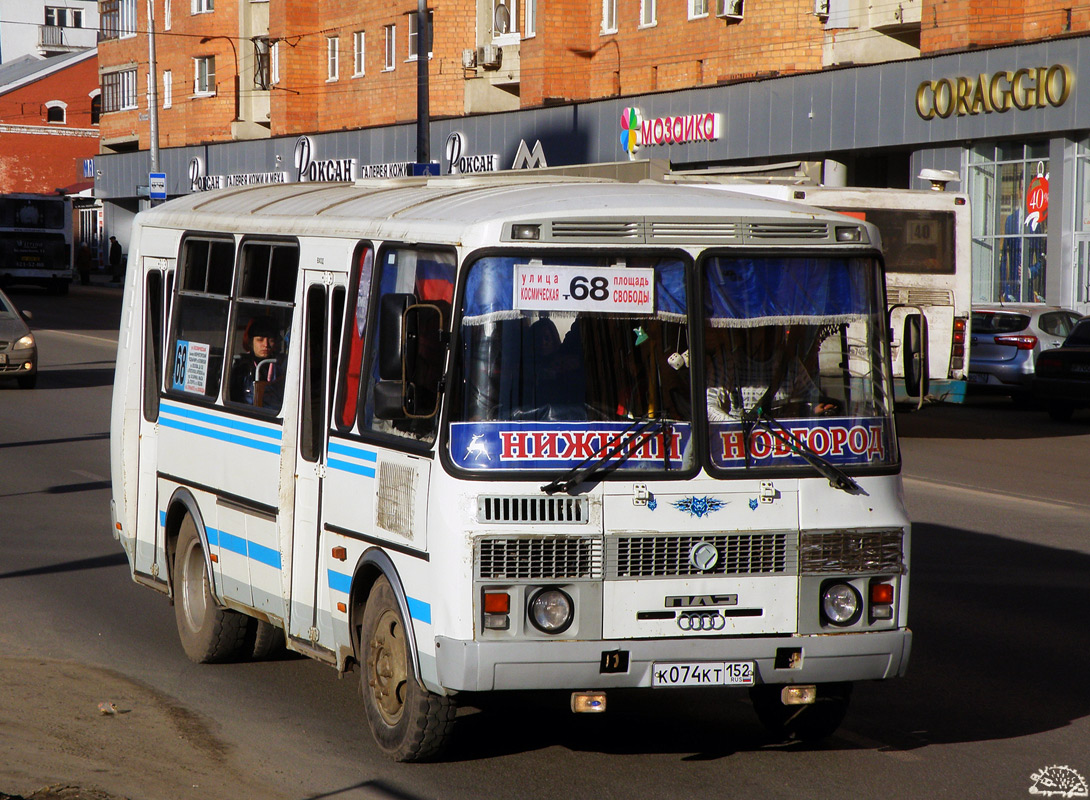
point(630, 130)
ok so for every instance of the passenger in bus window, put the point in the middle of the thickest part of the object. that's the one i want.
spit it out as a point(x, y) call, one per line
point(257, 376)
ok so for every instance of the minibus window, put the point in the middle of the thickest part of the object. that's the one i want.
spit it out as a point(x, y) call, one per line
point(153, 344)
point(352, 351)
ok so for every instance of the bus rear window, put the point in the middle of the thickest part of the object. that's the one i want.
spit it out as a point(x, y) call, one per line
point(914, 241)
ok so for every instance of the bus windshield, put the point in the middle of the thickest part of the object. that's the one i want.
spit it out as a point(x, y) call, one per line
point(795, 360)
point(560, 355)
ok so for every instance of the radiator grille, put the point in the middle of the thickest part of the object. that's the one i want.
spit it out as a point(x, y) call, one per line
point(917, 296)
point(396, 498)
point(539, 558)
point(857, 552)
point(659, 556)
point(710, 231)
point(492, 509)
point(597, 229)
point(788, 230)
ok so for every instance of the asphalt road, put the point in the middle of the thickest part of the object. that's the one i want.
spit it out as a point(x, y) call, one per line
point(996, 689)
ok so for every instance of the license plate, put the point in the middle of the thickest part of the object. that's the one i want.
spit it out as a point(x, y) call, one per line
point(3, 358)
point(1080, 367)
point(977, 377)
point(702, 673)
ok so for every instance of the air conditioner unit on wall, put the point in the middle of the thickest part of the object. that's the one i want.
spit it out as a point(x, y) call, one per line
point(729, 9)
point(489, 56)
point(469, 58)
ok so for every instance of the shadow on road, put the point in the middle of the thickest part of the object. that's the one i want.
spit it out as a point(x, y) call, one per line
point(113, 560)
point(999, 631)
point(986, 418)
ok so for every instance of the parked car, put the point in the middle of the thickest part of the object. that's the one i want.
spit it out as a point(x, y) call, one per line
point(1005, 340)
point(1062, 381)
point(18, 350)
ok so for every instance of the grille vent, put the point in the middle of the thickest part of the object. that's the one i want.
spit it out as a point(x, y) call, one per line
point(597, 229)
point(788, 230)
point(857, 552)
point(711, 231)
point(535, 558)
point(492, 509)
point(396, 498)
point(657, 556)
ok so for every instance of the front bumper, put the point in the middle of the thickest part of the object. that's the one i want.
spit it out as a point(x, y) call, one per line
point(472, 666)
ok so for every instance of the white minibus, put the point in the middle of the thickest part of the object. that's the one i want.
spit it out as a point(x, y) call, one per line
point(518, 432)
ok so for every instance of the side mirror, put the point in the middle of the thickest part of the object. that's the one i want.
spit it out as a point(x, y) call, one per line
point(411, 358)
point(914, 354)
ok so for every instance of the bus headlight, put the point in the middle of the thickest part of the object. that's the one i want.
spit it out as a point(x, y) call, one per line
point(551, 610)
point(840, 603)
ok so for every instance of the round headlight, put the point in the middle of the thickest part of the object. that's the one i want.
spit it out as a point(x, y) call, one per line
point(551, 611)
point(841, 604)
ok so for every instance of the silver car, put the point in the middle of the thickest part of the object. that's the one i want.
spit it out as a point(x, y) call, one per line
point(1005, 340)
point(18, 350)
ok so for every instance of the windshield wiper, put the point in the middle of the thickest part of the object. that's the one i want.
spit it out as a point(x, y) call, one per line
point(838, 479)
point(630, 437)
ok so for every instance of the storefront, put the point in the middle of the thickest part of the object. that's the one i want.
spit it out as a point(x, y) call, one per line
point(1008, 120)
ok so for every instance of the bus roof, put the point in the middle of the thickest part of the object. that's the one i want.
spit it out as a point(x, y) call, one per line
point(470, 210)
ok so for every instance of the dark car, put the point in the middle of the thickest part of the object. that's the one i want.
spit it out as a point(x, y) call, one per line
point(18, 350)
point(1062, 382)
point(1005, 340)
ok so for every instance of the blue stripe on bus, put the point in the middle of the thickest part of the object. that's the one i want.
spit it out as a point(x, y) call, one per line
point(348, 466)
point(418, 609)
point(244, 547)
point(272, 431)
point(268, 447)
point(263, 554)
point(354, 452)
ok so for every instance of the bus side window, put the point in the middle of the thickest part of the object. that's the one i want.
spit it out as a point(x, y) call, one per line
point(153, 344)
point(427, 274)
point(199, 324)
point(355, 329)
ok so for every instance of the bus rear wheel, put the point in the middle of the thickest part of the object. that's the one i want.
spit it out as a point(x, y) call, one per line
point(409, 723)
point(805, 723)
point(208, 633)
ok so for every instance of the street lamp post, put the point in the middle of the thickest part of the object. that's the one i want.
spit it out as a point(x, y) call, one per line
point(234, 54)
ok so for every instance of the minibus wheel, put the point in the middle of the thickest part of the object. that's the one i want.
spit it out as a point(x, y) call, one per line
point(409, 723)
point(208, 633)
point(804, 723)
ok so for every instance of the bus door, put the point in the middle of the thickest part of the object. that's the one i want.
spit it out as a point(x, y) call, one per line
point(323, 308)
point(158, 288)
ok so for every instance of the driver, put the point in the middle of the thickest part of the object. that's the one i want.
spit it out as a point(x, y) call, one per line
point(257, 377)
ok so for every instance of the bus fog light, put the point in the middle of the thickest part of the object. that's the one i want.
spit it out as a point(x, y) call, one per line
point(588, 702)
point(798, 695)
point(881, 611)
point(551, 611)
point(840, 604)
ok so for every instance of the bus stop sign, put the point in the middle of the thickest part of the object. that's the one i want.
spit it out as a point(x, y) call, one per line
point(157, 185)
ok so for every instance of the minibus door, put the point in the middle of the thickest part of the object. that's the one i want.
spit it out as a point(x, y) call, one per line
point(323, 308)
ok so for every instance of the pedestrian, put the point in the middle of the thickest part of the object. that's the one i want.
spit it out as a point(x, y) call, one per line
point(83, 263)
point(115, 259)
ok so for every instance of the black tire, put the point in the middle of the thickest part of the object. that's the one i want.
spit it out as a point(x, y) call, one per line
point(27, 381)
point(208, 633)
point(409, 723)
point(268, 640)
point(808, 723)
point(1061, 412)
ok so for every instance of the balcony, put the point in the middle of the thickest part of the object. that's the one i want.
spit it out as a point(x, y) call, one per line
point(54, 40)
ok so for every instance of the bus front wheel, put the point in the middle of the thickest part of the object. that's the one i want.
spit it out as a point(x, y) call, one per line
point(208, 633)
point(409, 723)
point(805, 723)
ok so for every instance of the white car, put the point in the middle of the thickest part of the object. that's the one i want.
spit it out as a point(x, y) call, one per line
point(18, 350)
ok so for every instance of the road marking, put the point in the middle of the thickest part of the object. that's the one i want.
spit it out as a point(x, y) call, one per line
point(991, 494)
point(107, 340)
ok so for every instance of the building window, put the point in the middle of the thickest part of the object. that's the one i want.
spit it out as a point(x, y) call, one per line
point(609, 16)
point(505, 23)
point(1008, 186)
point(414, 37)
point(64, 17)
point(648, 13)
point(529, 29)
point(274, 63)
point(117, 19)
point(391, 36)
point(55, 112)
point(262, 75)
point(204, 75)
point(119, 90)
point(96, 106)
point(168, 88)
point(166, 15)
point(128, 18)
point(202, 6)
point(332, 57)
point(359, 43)
point(698, 9)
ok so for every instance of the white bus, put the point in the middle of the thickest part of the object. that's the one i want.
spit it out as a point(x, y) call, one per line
point(926, 241)
point(479, 434)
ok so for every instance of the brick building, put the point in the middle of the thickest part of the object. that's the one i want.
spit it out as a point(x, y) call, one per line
point(48, 121)
point(878, 89)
